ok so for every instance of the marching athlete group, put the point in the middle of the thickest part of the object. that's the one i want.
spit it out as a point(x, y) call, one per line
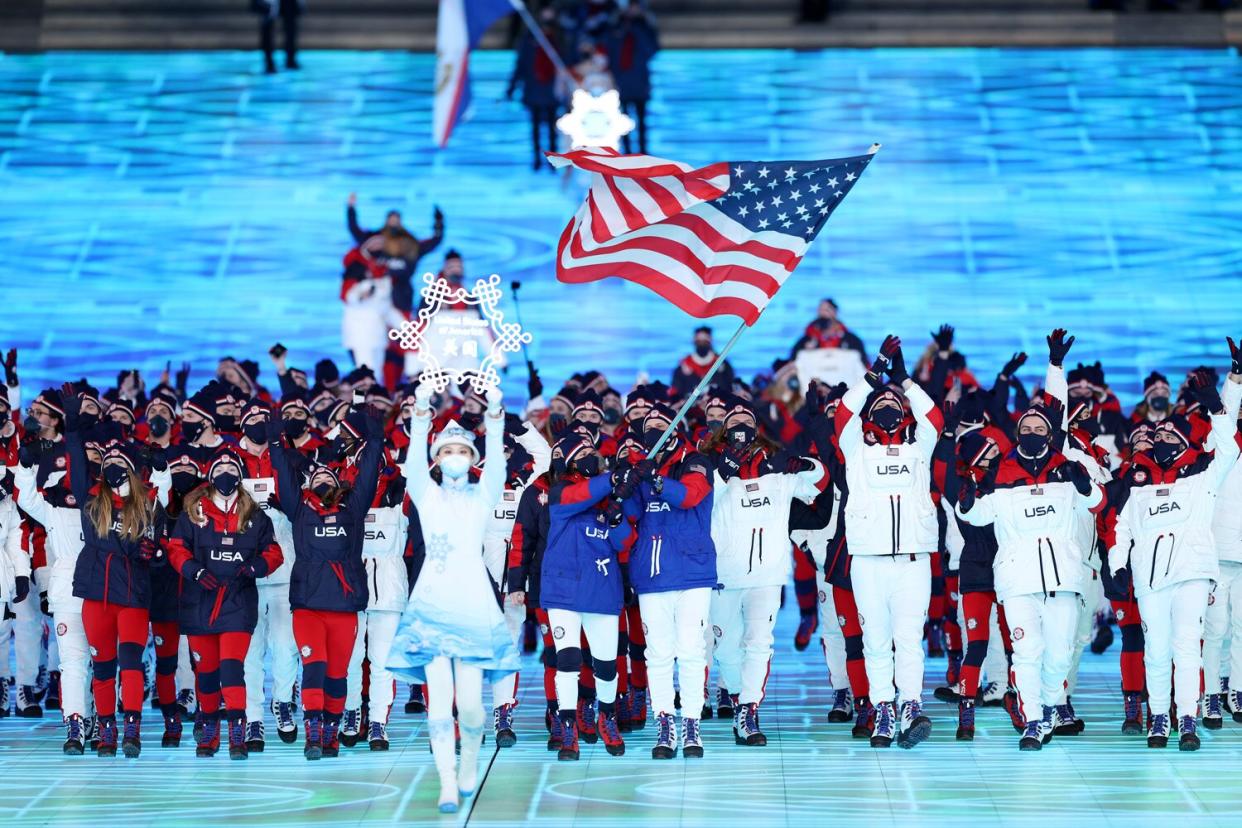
point(347, 532)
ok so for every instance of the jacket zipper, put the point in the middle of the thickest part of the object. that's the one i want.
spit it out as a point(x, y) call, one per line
point(892, 523)
point(760, 546)
point(897, 536)
point(1043, 583)
point(751, 566)
point(1172, 549)
point(1155, 551)
point(1055, 573)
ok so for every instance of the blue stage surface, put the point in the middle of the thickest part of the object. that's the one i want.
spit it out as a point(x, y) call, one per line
point(811, 774)
point(183, 206)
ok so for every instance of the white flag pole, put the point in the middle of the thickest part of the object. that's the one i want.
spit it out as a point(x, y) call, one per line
point(537, 33)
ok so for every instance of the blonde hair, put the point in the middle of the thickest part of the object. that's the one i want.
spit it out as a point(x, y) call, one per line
point(136, 513)
point(193, 505)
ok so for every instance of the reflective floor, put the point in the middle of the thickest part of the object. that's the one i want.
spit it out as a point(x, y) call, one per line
point(811, 773)
point(184, 206)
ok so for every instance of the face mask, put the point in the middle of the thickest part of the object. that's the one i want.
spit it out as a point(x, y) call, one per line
point(741, 435)
point(702, 350)
point(1166, 453)
point(588, 466)
point(116, 476)
point(714, 425)
point(255, 432)
point(184, 481)
point(158, 426)
point(612, 416)
point(1090, 425)
point(1032, 445)
point(322, 488)
point(226, 422)
point(32, 425)
point(225, 483)
point(89, 420)
point(589, 429)
point(470, 420)
point(92, 470)
point(558, 423)
point(887, 418)
point(793, 384)
point(322, 417)
point(1159, 403)
point(652, 436)
point(295, 428)
point(192, 431)
point(455, 466)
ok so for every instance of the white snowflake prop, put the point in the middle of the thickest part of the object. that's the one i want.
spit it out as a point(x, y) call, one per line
point(595, 120)
point(456, 349)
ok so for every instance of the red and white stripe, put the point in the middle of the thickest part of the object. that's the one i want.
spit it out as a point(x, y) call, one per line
point(650, 220)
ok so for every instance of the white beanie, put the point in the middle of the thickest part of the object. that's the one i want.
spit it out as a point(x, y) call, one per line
point(454, 435)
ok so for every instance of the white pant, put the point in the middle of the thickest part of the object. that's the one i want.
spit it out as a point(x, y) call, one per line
point(1084, 631)
point(1042, 628)
point(602, 634)
point(742, 623)
point(75, 665)
point(28, 638)
point(892, 596)
point(1172, 632)
point(995, 663)
point(830, 633)
point(376, 629)
point(1223, 622)
point(675, 624)
point(504, 691)
point(185, 665)
point(273, 635)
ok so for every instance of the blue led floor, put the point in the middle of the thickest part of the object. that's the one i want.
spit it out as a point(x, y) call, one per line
point(810, 774)
point(184, 206)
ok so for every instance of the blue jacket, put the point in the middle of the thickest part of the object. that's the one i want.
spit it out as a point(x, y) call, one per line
point(328, 573)
point(674, 549)
point(581, 570)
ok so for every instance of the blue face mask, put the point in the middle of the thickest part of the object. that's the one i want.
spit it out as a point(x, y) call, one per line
point(455, 466)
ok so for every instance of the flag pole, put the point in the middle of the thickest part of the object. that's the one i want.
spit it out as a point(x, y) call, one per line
point(537, 33)
point(698, 391)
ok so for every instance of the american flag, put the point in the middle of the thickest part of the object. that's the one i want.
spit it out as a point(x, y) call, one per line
point(720, 239)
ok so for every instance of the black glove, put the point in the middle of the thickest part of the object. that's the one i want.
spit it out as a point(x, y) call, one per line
point(10, 367)
point(966, 493)
point(534, 385)
point(44, 606)
point(1058, 346)
point(891, 353)
point(181, 378)
point(943, 337)
point(1077, 474)
point(612, 514)
point(148, 550)
point(21, 588)
point(874, 379)
point(645, 470)
point(728, 464)
point(1235, 354)
point(437, 218)
point(255, 568)
point(275, 430)
point(31, 452)
point(156, 457)
point(206, 580)
point(72, 404)
point(1204, 391)
point(1015, 362)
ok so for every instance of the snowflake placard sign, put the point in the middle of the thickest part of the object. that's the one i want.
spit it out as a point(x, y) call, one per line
point(460, 346)
point(595, 120)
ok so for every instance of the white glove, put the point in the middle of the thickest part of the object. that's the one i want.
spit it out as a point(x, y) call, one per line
point(422, 395)
point(495, 401)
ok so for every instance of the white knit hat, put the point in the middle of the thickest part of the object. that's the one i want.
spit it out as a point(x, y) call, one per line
point(454, 435)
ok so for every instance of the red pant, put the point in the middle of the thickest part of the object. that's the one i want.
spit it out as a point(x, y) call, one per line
point(977, 606)
point(167, 636)
point(952, 627)
point(326, 642)
point(116, 634)
point(1133, 672)
point(855, 666)
point(221, 659)
point(638, 646)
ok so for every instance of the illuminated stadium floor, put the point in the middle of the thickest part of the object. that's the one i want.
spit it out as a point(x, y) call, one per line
point(811, 773)
point(183, 206)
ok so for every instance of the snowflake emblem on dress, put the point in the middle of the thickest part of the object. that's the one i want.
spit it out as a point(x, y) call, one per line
point(438, 548)
point(506, 337)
